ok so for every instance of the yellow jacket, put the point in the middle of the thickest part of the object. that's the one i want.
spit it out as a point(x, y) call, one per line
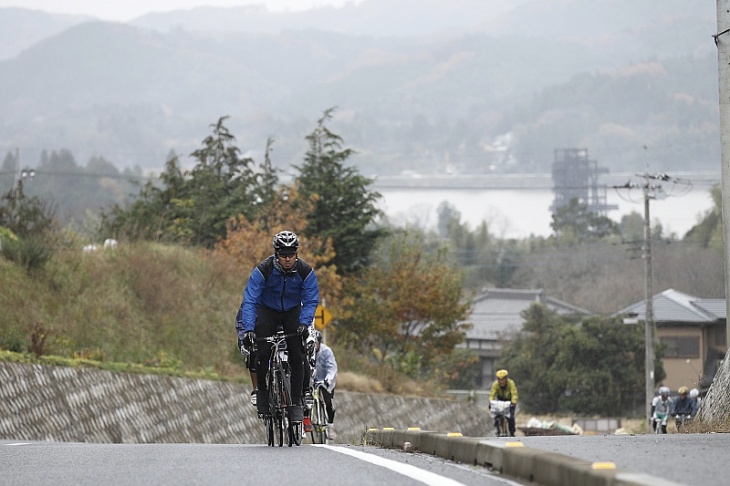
point(508, 393)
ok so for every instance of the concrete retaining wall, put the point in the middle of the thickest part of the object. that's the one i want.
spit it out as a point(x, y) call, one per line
point(85, 405)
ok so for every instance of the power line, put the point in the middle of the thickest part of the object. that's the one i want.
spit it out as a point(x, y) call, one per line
point(81, 174)
point(650, 191)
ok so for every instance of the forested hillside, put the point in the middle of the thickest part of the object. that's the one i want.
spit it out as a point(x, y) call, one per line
point(494, 89)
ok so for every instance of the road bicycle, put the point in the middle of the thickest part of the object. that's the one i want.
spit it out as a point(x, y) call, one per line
point(660, 422)
point(499, 410)
point(278, 382)
point(681, 420)
point(319, 415)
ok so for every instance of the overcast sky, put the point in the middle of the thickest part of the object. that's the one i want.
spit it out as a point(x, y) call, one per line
point(124, 10)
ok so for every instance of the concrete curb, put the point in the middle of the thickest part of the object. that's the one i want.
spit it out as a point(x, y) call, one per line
point(511, 458)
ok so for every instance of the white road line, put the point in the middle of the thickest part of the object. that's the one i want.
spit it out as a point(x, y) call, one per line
point(18, 443)
point(426, 477)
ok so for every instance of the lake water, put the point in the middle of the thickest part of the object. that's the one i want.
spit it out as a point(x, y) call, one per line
point(518, 213)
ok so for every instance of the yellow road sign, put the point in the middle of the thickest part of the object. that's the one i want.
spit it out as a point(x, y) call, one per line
point(321, 318)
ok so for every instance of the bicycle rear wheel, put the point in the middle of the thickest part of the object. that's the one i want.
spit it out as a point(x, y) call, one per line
point(295, 433)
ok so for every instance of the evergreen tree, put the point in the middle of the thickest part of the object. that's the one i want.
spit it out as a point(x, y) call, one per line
point(708, 232)
point(194, 206)
point(7, 172)
point(575, 223)
point(344, 209)
point(27, 216)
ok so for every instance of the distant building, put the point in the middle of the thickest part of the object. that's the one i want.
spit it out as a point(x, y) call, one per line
point(575, 176)
point(496, 316)
point(693, 331)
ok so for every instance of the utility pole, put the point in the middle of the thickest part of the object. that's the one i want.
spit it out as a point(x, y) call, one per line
point(20, 174)
point(722, 41)
point(16, 177)
point(649, 305)
point(650, 191)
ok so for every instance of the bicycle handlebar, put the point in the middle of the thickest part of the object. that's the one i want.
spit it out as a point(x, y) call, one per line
point(276, 337)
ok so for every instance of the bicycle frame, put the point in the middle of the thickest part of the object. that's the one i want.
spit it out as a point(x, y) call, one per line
point(278, 382)
point(681, 420)
point(499, 410)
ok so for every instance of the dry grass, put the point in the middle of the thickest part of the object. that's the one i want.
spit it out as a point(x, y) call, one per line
point(355, 382)
point(697, 427)
point(349, 381)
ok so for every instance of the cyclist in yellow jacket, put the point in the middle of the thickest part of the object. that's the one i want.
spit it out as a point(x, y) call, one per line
point(504, 389)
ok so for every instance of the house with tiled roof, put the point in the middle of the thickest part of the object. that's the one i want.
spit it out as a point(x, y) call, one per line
point(694, 334)
point(496, 315)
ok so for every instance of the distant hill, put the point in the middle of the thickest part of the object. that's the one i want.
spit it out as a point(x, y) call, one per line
point(21, 28)
point(470, 85)
point(376, 18)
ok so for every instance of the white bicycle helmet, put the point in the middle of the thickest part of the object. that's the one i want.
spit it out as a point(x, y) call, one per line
point(285, 242)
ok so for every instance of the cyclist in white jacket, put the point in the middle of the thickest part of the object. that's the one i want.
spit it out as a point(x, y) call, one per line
point(325, 372)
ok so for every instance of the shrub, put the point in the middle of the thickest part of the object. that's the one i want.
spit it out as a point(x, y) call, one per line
point(31, 253)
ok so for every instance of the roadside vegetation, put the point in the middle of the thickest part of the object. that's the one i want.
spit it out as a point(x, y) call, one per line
point(164, 298)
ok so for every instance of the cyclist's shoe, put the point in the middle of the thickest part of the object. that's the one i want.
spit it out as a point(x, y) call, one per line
point(262, 403)
point(253, 397)
point(331, 434)
point(307, 425)
point(295, 413)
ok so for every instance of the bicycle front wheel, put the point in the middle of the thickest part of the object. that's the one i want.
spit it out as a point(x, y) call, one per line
point(504, 429)
point(319, 422)
point(275, 410)
point(279, 430)
point(269, 426)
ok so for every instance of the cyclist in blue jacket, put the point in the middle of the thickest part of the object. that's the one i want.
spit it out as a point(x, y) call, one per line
point(281, 292)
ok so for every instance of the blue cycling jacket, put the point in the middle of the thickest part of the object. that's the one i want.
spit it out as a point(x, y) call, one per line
point(278, 291)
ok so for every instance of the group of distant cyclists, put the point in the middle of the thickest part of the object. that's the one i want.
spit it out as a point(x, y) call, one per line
point(282, 293)
point(683, 408)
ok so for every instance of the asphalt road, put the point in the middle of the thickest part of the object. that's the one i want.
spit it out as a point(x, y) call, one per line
point(81, 464)
point(691, 459)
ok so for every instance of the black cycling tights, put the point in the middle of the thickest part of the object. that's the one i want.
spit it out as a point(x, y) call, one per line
point(267, 322)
